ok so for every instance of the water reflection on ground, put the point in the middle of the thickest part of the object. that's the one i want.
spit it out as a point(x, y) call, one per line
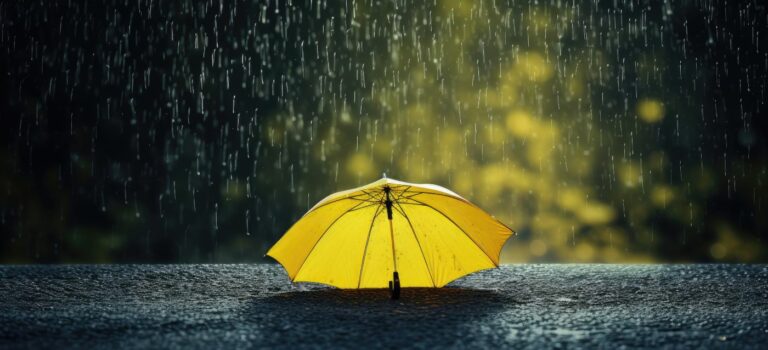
point(350, 317)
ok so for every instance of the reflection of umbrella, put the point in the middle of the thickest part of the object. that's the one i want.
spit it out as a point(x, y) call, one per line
point(360, 237)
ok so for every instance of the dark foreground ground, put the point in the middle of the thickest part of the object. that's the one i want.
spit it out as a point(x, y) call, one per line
point(228, 306)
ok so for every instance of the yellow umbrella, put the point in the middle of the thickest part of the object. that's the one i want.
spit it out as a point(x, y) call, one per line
point(424, 234)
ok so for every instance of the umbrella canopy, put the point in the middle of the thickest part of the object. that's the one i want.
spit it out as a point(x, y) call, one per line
point(358, 238)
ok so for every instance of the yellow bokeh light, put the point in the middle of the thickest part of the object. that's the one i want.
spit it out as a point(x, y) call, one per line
point(547, 224)
point(661, 195)
point(463, 182)
point(519, 179)
point(718, 251)
point(650, 110)
point(594, 213)
point(521, 124)
point(539, 154)
point(494, 134)
point(731, 247)
point(629, 174)
point(584, 252)
point(494, 177)
point(538, 19)
point(535, 67)
point(360, 165)
point(571, 198)
point(458, 8)
point(574, 86)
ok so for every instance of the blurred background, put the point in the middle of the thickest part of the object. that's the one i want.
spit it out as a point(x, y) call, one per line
point(199, 131)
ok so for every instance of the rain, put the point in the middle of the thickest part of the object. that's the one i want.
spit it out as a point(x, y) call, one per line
point(199, 131)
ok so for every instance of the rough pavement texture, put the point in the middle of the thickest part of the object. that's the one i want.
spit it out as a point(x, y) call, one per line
point(526, 306)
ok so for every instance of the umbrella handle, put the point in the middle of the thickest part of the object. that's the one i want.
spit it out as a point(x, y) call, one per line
point(394, 286)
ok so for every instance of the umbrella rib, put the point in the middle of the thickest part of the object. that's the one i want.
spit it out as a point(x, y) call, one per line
point(439, 194)
point(460, 228)
point(365, 196)
point(402, 192)
point(365, 249)
point(431, 278)
point(460, 200)
point(370, 196)
point(405, 201)
point(370, 204)
point(411, 194)
point(400, 210)
point(375, 196)
point(322, 235)
point(333, 201)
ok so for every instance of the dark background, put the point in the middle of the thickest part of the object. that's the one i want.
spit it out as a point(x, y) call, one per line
point(185, 131)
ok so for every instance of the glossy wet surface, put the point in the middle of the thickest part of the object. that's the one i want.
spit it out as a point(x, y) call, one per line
point(215, 306)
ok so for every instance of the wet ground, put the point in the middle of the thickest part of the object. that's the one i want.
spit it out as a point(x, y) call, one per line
point(525, 306)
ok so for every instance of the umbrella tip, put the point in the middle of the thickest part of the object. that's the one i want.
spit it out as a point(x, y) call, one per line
point(384, 175)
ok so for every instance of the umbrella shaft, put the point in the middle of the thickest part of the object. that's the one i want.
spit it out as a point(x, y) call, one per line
point(388, 203)
point(392, 238)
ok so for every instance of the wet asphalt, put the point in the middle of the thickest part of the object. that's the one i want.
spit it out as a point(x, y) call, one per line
point(256, 306)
